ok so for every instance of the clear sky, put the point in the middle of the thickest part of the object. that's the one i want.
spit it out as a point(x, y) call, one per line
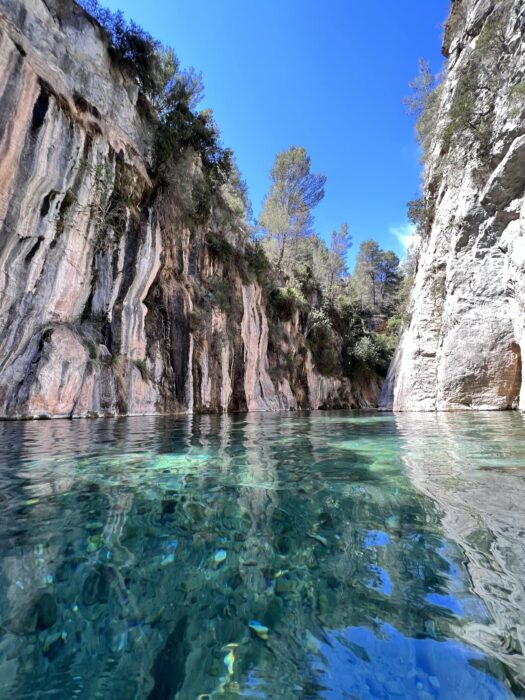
point(328, 75)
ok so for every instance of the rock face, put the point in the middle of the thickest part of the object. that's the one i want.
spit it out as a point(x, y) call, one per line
point(463, 345)
point(110, 303)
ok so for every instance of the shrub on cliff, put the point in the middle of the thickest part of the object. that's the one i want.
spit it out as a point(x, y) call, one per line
point(172, 95)
point(471, 110)
point(257, 261)
point(132, 46)
point(179, 129)
point(423, 103)
point(285, 301)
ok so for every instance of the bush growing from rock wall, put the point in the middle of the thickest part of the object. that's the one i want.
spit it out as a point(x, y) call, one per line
point(285, 301)
point(366, 351)
point(518, 91)
point(461, 115)
point(472, 105)
point(423, 103)
point(373, 352)
point(257, 261)
point(172, 95)
point(220, 247)
point(420, 215)
point(180, 129)
point(225, 296)
point(326, 347)
point(134, 48)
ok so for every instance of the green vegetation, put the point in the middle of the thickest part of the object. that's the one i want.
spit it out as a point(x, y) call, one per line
point(518, 90)
point(349, 321)
point(423, 103)
point(225, 296)
point(346, 320)
point(170, 96)
point(109, 200)
point(286, 301)
point(376, 278)
point(145, 58)
point(461, 115)
point(419, 215)
point(287, 212)
point(469, 120)
point(472, 103)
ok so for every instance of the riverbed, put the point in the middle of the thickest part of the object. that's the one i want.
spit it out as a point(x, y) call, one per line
point(289, 555)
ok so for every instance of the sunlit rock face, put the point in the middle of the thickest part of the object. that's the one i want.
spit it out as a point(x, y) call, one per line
point(108, 299)
point(463, 345)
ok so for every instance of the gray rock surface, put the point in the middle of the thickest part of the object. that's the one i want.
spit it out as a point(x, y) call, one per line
point(462, 347)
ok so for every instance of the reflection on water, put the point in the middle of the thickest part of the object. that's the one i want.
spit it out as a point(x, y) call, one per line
point(321, 555)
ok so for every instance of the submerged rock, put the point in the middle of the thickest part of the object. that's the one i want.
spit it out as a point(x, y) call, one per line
point(219, 558)
point(259, 629)
point(169, 666)
point(97, 586)
point(47, 611)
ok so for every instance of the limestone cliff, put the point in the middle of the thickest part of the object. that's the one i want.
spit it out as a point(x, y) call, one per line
point(462, 348)
point(110, 301)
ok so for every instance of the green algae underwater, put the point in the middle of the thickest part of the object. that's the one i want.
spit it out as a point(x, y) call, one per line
point(309, 555)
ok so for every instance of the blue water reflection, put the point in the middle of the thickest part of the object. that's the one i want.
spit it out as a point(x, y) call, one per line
point(317, 555)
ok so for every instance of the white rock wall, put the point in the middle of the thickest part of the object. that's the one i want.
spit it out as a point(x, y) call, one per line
point(464, 342)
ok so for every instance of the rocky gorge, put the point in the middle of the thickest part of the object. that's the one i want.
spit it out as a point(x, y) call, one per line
point(112, 302)
point(205, 537)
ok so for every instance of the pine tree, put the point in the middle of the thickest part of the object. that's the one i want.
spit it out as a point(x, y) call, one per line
point(294, 192)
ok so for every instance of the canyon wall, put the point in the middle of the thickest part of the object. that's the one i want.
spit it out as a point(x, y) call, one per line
point(464, 338)
point(111, 303)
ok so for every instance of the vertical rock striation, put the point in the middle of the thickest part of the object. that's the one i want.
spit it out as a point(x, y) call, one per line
point(462, 348)
point(110, 301)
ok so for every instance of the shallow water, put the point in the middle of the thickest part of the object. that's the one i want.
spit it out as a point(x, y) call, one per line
point(321, 555)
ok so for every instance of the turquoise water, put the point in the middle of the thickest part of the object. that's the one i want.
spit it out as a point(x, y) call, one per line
point(321, 555)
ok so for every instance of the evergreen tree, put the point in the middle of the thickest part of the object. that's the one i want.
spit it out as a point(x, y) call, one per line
point(376, 277)
point(287, 209)
point(340, 244)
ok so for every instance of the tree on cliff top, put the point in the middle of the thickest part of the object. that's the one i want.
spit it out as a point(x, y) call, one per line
point(294, 192)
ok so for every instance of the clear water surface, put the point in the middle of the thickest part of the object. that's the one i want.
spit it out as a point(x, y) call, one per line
point(317, 555)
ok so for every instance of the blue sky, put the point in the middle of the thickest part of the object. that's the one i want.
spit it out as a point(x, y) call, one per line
point(327, 75)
